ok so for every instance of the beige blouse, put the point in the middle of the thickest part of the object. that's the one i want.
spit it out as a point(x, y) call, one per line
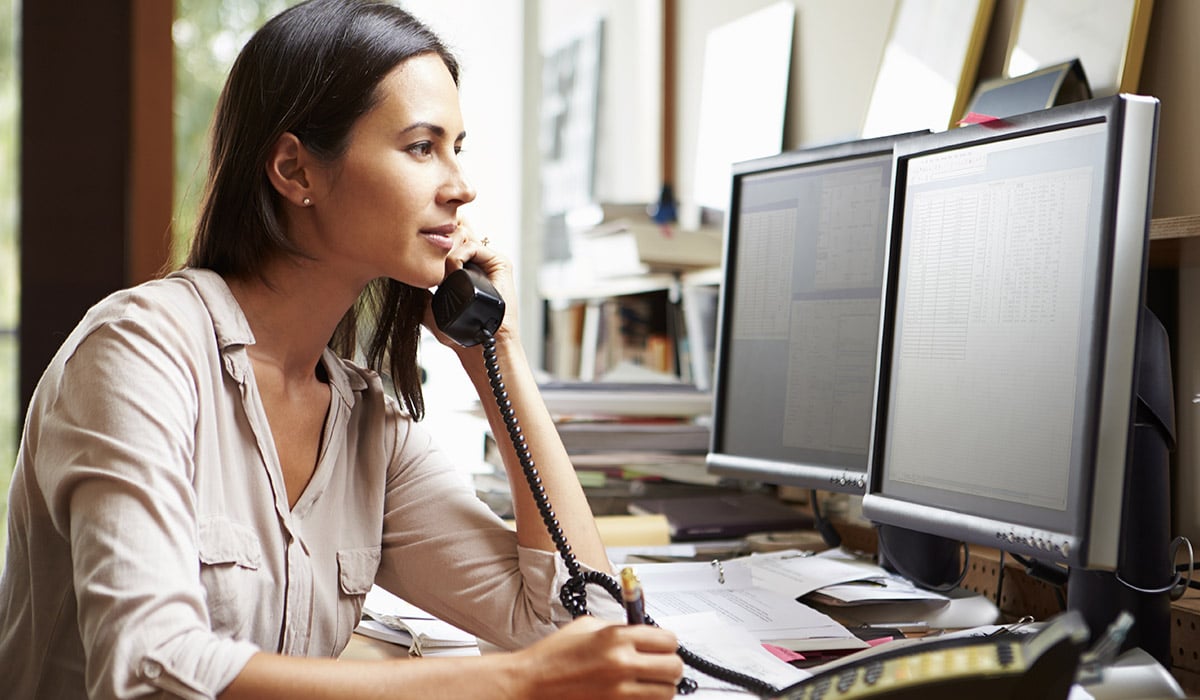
point(151, 546)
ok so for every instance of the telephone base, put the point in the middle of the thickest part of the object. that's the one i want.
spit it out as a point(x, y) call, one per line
point(1135, 675)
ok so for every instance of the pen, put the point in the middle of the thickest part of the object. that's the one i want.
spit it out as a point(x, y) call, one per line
point(635, 614)
point(631, 594)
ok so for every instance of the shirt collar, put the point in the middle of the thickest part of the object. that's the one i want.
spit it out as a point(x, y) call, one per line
point(233, 330)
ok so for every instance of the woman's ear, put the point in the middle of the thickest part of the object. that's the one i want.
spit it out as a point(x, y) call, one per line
point(288, 169)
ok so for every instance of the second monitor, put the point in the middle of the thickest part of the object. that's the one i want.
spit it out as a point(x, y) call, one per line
point(798, 330)
point(799, 316)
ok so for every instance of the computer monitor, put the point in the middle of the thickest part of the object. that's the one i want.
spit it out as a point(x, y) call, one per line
point(1007, 411)
point(798, 317)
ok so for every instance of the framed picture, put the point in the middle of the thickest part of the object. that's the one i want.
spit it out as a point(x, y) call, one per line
point(929, 65)
point(1107, 36)
point(569, 111)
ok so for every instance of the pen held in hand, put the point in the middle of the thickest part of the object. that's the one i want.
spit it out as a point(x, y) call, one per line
point(631, 594)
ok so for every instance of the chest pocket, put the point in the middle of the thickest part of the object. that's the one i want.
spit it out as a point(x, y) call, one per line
point(356, 574)
point(230, 558)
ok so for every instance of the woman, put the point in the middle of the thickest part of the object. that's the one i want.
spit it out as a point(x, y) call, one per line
point(208, 485)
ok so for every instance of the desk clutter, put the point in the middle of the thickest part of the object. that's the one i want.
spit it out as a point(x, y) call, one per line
point(777, 616)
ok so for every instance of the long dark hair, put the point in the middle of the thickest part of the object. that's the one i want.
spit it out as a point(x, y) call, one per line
point(312, 70)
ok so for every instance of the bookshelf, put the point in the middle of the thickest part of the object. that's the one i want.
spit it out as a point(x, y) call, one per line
point(657, 324)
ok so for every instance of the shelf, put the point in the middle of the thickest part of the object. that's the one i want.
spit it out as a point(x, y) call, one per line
point(1173, 227)
point(563, 290)
point(1168, 235)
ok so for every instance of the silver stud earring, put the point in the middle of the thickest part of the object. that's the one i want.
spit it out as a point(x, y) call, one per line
point(306, 202)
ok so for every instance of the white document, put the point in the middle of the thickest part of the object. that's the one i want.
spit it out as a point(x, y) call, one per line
point(795, 573)
point(709, 636)
point(727, 588)
point(877, 585)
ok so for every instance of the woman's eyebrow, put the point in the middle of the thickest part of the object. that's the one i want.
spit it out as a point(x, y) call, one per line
point(438, 131)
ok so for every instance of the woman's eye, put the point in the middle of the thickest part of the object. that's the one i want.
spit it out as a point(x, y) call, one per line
point(424, 148)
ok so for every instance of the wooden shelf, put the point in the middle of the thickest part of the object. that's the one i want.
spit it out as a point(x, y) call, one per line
point(1167, 237)
point(1174, 227)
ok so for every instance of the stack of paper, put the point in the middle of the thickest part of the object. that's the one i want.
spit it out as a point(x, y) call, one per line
point(834, 577)
point(727, 588)
point(714, 638)
point(391, 619)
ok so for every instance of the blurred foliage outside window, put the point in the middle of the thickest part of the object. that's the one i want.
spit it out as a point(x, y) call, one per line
point(10, 268)
point(208, 35)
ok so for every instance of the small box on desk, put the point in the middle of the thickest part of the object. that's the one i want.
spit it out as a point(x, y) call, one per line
point(722, 516)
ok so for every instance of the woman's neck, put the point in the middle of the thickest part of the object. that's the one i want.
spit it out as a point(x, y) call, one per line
point(292, 313)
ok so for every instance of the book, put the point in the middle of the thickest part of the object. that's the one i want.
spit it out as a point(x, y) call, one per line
point(671, 436)
point(392, 619)
point(626, 399)
point(721, 516)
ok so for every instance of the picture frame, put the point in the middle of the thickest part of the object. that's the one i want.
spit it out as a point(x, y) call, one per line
point(569, 116)
point(923, 83)
point(1107, 36)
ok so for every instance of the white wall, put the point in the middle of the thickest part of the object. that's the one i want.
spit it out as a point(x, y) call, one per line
point(836, 51)
point(487, 38)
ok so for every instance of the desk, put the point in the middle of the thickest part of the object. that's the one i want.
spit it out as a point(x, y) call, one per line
point(1023, 595)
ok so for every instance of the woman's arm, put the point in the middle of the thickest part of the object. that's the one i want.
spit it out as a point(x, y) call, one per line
point(587, 659)
point(557, 474)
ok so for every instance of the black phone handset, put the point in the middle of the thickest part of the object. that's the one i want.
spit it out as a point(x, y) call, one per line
point(467, 308)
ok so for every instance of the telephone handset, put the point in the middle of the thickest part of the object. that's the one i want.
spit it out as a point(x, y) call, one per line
point(1007, 667)
point(466, 305)
point(467, 308)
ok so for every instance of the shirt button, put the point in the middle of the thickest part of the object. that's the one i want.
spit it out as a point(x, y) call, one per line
point(151, 669)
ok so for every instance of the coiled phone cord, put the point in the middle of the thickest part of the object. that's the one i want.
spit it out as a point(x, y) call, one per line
point(573, 593)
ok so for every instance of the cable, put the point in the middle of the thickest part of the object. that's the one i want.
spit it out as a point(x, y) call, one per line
point(831, 536)
point(1000, 583)
point(573, 593)
point(1178, 584)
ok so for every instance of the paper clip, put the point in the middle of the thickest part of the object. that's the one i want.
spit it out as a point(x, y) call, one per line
point(720, 570)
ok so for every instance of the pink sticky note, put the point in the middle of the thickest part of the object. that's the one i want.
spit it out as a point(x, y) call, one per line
point(976, 118)
point(782, 653)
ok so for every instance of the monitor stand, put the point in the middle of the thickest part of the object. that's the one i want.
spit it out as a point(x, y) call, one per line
point(1144, 559)
point(929, 561)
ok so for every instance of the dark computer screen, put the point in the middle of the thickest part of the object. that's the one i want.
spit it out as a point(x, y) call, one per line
point(799, 316)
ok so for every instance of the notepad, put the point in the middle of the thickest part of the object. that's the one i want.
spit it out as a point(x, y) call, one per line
point(723, 516)
point(392, 619)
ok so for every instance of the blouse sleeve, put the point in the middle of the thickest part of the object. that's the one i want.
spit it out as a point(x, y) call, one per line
point(113, 462)
point(446, 552)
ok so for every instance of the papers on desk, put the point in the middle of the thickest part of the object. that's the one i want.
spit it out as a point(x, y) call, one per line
point(393, 619)
point(711, 637)
point(846, 579)
point(728, 589)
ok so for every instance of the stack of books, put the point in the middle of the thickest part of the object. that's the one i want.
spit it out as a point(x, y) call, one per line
point(633, 430)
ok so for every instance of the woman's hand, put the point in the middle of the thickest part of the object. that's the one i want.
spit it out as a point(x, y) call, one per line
point(592, 659)
point(471, 248)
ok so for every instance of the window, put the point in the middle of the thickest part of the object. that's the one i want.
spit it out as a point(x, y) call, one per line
point(10, 268)
point(208, 36)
